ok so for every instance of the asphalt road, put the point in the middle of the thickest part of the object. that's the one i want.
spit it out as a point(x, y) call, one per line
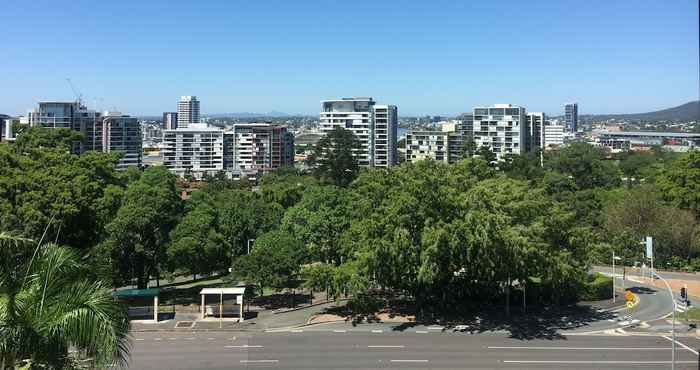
point(389, 350)
point(637, 272)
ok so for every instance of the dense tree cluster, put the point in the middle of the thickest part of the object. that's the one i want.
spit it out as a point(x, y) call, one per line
point(429, 231)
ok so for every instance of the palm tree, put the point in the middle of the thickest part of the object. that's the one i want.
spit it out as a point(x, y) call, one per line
point(48, 304)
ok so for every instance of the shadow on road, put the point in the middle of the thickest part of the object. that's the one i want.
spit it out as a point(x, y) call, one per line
point(537, 323)
point(642, 290)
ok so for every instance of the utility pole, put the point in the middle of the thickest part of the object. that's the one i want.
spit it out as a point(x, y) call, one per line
point(613, 275)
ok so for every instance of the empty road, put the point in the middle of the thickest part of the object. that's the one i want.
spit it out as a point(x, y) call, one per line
point(388, 350)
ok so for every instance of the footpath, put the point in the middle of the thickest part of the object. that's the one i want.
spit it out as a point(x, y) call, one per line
point(265, 320)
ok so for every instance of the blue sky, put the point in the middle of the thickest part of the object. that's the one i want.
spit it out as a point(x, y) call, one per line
point(427, 57)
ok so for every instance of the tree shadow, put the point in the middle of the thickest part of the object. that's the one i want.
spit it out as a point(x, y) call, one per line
point(538, 322)
point(282, 300)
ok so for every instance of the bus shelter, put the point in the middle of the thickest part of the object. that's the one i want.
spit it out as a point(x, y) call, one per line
point(214, 302)
point(139, 301)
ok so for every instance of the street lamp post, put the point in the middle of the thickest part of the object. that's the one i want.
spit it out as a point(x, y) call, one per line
point(673, 324)
point(613, 274)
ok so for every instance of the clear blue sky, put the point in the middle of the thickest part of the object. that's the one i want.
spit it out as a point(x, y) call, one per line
point(427, 57)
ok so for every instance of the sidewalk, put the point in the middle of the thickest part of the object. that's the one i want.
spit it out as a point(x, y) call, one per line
point(265, 320)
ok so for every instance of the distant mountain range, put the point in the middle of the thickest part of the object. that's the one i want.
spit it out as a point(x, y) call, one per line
point(686, 112)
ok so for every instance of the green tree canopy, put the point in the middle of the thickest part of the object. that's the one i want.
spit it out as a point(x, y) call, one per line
point(680, 182)
point(273, 262)
point(137, 236)
point(44, 186)
point(334, 157)
point(586, 164)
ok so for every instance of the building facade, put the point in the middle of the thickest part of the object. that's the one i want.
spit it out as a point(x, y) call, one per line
point(247, 150)
point(252, 149)
point(123, 134)
point(195, 150)
point(503, 129)
point(187, 111)
point(571, 116)
point(375, 126)
point(536, 122)
point(553, 136)
point(70, 115)
point(447, 145)
point(169, 120)
point(385, 135)
point(424, 144)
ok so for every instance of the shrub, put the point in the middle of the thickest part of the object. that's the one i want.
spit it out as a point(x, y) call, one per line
point(596, 287)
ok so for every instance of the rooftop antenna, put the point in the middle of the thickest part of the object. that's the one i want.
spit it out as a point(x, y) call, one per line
point(78, 96)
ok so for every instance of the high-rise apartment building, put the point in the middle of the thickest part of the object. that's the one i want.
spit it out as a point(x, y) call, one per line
point(256, 148)
point(71, 115)
point(187, 111)
point(385, 135)
point(247, 150)
point(169, 120)
point(502, 129)
point(544, 134)
point(571, 117)
point(196, 149)
point(122, 133)
point(113, 132)
point(536, 122)
point(447, 145)
point(375, 126)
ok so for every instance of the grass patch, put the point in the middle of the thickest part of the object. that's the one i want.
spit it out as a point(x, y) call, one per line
point(693, 314)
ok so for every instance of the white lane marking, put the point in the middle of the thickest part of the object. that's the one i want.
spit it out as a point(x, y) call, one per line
point(593, 362)
point(339, 331)
point(138, 339)
point(297, 331)
point(257, 361)
point(376, 331)
point(422, 331)
point(190, 338)
point(436, 328)
point(683, 345)
point(408, 361)
point(586, 348)
point(245, 346)
point(172, 338)
point(158, 339)
point(385, 346)
point(210, 338)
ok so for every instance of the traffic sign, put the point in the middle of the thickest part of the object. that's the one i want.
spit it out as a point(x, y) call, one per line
point(650, 248)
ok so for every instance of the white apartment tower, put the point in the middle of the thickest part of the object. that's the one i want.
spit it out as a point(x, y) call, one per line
point(187, 111)
point(256, 148)
point(375, 126)
point(553, 135)
point(196, 149)
point(501, 128)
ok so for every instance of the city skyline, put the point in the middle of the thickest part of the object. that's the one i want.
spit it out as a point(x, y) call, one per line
point(439, 59)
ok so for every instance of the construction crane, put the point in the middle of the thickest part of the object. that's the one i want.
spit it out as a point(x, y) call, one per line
point(78, 96)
